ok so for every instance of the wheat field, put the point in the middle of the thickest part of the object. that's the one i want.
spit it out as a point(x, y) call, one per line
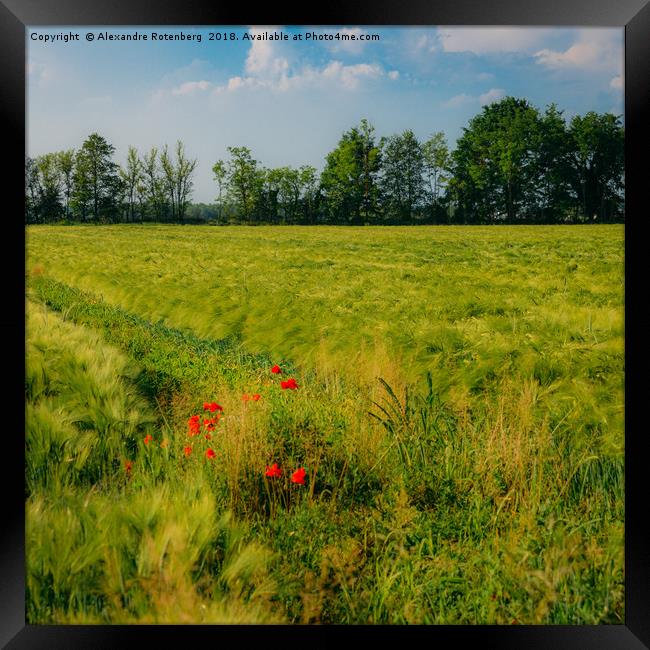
point(452, 451)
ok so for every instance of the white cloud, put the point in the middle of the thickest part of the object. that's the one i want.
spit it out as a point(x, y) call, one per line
point(191, 86)
point(492, 95)
point(235, 83)
point(617, 82)
point(458, 100)
point(262, 59)
point(266, 66)
point(594, 49)
point(344, 45)
point(427, 43)
point(350, 75)
point(491, 40)
point(334, 73)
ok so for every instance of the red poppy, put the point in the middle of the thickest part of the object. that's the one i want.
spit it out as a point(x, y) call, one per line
point(245, 398)
point(256, 397)
point(290, 383)
point(298, 476)
point(210, 453)
point(187, 450)
point(212, 407)
point(208, 436)
point(127, 466)
point(210, 424)
point(194, 425)
point(276, 370)
point(273, 471)
point(148, 438)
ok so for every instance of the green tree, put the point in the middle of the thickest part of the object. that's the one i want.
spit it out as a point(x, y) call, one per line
point(473, 187)
point(290, 190)
point(270, 197)
point(493, 162)
point(153, 189)
point(33, 192)
point(287, 194)
point(402, 181)
point(370, 154)
point(552, 167)
point(309, 185)
point(184, 179)
point(243, 180)
point(349, 180)
point(65, 163)
point(50, 207)
point(221, 177)
point(177, 178)
point(132, 177)
point(598, 165)
point(80, 200)
point(437, 160)
point(96, 181)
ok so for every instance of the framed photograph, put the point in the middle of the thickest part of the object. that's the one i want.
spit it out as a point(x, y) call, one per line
point(331, 323)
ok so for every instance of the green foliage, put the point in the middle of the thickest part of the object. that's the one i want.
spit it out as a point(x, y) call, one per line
point(243, 179)
point(493, 162)
point(514, 165)
point(155, 202)
point(132, 180)
point(96, 181)
point(176, 178)
point(436, 159)
point(597, 159)
point(84, 418)
point(403, 183)
point(423, 432)
point(349, 180)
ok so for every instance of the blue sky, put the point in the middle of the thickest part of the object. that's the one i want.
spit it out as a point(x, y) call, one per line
point(291, 100)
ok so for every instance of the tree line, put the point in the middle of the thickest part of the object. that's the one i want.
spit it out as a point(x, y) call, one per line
point(512, 164)
point(88, 186)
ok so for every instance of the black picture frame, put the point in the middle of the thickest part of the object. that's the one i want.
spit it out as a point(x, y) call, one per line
point(633, 15)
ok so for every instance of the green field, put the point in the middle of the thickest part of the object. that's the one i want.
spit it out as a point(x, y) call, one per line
point(459, 415)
